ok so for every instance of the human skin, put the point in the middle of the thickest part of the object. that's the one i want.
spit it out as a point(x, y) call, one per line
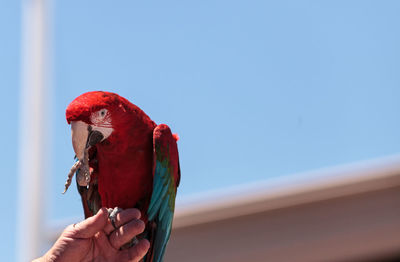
point(95, 239)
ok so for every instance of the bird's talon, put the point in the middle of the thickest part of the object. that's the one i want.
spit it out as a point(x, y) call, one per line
point(112, 215)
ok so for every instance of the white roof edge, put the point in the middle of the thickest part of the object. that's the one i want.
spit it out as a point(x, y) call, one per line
point(285, 191)
point(278, 192)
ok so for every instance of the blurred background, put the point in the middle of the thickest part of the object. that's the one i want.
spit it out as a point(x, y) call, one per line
point(283, 108)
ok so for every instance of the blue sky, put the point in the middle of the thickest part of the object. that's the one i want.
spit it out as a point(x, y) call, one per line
point(255, 89)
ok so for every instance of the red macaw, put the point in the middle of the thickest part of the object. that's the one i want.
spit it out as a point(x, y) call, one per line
point(125, 160)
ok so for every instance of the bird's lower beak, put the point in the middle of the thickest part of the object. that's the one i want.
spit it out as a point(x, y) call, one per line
point(83, 137)
point(80, 134)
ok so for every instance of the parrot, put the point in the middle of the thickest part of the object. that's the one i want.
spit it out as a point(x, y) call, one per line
point(124, 160)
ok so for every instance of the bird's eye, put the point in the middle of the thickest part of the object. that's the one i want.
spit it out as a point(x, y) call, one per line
point(100, 116)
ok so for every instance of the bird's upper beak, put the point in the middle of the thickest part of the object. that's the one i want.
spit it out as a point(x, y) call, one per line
point(80, 134)
point(83, 137)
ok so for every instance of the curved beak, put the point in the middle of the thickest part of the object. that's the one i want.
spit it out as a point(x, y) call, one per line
point(80, 133)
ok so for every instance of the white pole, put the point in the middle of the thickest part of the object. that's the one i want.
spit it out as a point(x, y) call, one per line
point(33, 154)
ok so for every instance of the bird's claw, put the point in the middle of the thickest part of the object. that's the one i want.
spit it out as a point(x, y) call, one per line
point(112, 215)
point(82, 170)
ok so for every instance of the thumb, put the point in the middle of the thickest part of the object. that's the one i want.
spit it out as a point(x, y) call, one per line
point(90, 226)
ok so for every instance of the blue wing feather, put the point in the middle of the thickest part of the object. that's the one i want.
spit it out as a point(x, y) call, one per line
point(160, 210)
point(162, 203)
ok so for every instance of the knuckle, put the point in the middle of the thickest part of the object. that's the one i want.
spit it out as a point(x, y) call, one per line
point(139, 225)
point(69, 230)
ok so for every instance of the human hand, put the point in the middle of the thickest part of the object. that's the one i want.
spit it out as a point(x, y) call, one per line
point(95, 239)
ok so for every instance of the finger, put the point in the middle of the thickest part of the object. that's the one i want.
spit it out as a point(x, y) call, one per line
point(126, 232)
point(137, 252)
point(122, 218)
point(90, 226)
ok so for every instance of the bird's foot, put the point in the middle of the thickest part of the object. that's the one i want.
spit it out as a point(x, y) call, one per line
point(131, 243)
point(112, 215)
point(71, 173)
